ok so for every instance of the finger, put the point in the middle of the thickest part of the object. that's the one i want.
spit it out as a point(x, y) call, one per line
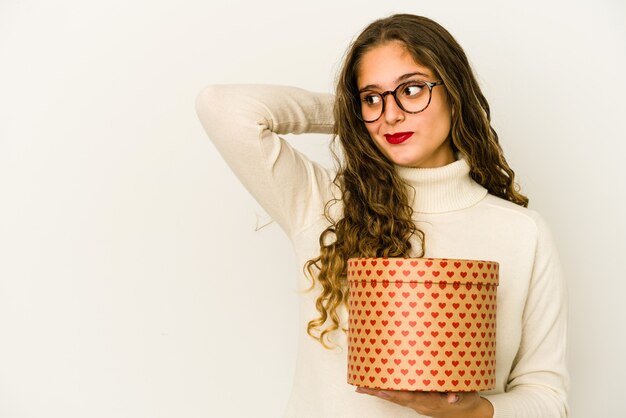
point(396, 396)
point(453, 397)
point(375, 392)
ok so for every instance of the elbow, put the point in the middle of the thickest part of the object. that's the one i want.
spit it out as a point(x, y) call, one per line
point(206, 101)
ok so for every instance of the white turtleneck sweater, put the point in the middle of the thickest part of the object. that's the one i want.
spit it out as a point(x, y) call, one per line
point(460, 220)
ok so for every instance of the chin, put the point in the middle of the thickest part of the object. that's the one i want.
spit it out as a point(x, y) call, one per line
point(406, 162)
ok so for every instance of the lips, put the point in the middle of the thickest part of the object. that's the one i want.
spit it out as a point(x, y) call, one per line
point(398, 137)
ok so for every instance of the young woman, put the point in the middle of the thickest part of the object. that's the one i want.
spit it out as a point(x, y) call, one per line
point(421, 175)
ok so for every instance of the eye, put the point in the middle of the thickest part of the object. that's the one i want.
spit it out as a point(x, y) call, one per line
point(412, 89)
point(371, 99)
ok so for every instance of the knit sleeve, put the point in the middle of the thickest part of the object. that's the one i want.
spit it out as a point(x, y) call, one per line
point(245, 121)
point(539, 380)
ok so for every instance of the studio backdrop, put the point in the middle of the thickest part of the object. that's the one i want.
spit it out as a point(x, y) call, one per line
point(137, 276)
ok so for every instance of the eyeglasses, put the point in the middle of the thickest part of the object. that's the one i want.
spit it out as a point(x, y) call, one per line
point(412, 97)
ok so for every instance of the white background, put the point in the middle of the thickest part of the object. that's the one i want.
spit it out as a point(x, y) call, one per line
point(132, 281)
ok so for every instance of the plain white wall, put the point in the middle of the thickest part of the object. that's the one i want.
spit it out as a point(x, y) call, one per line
point(132, 281)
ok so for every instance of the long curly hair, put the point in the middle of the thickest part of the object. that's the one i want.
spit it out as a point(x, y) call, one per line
point(376, 202)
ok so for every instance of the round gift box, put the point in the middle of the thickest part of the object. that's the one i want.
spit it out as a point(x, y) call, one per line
point(424, 324)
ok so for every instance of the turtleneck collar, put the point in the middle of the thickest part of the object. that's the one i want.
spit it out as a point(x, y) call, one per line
point(442, 189)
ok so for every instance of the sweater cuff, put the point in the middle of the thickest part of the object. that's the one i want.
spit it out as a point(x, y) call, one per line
point(502, 408)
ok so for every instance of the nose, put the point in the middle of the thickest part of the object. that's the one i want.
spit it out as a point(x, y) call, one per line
point(393, 113)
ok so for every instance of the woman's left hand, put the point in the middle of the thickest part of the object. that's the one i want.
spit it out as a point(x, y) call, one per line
point(436, 404)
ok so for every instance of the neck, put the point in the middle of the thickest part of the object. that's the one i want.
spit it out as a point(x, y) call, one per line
point(442, 189)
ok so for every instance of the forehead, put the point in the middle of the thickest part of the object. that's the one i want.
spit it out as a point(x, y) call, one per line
point(383, 65)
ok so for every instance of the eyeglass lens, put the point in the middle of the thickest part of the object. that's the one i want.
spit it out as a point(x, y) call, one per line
point(411, 97)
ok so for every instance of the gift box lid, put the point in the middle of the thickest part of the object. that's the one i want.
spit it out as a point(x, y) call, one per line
point(440, 271)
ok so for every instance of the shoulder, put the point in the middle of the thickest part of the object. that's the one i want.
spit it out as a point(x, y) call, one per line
point(522, 229)
point(509, 212)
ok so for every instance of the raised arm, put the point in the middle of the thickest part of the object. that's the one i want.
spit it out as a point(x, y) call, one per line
point(245, 121)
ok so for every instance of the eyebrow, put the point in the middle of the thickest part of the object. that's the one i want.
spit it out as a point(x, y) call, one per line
point(398, 80)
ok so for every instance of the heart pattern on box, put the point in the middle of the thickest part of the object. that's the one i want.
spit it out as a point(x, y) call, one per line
point(422, 324)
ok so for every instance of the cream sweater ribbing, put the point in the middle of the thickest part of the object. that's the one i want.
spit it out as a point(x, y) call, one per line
point(460, 220)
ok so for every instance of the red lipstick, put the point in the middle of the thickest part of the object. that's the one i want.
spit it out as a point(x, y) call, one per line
point(398, 137)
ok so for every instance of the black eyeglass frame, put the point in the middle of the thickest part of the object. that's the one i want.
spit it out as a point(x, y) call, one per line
point(393, 92)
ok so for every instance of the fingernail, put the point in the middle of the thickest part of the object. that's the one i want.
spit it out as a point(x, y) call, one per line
point(453, 399)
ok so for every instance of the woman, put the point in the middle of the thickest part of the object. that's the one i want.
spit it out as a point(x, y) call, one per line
point(422, 175)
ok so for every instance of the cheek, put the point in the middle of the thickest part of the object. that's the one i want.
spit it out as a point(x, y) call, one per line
point(372, 128)
point(445, 113)
point(437, 122)
point(446, 122)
